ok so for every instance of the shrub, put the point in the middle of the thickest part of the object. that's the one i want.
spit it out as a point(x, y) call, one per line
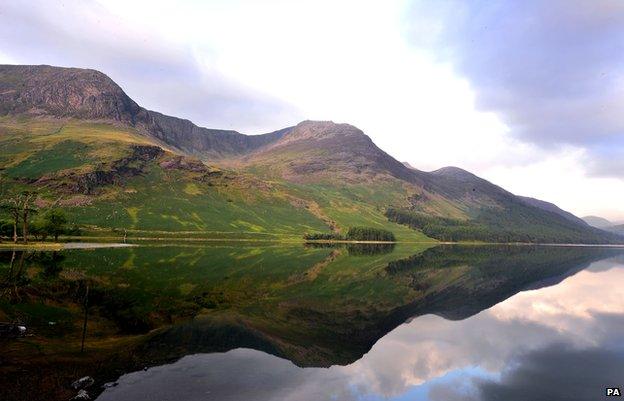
point(322, 236)
point(369, 234)
point(54, 222)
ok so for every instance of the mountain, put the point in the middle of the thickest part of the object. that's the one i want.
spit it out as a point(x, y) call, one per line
point(598, 222)
point(91, 95)
point(75, 137)
point(619, 229)
point(318, 150)
point(551, 207)
point(64, 92)
point(495, 214)
point(604, 224)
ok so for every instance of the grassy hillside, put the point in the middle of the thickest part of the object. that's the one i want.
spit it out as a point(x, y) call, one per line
point(111, 176)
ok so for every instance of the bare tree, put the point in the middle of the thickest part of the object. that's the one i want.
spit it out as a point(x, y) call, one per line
point(27, 201)
point(20, 205)
point(13, 206)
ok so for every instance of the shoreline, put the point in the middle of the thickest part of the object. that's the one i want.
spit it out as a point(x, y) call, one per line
point(61, 246)
point(117, 242)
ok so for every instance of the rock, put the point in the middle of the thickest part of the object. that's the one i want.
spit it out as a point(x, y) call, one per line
point(184, 163)
point(83, 382)
point(12, 330)
point(40, 90)
point(81, 396)
point(64, 92)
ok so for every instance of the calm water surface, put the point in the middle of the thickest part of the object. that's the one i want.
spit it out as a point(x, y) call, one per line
point(294, 323)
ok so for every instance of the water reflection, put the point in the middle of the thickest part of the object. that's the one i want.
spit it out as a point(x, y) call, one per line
point(554, 343)
point(355, 249)
point(229, 321)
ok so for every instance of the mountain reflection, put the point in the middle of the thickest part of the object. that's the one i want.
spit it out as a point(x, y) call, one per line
point(553, 343)
point(228, 322)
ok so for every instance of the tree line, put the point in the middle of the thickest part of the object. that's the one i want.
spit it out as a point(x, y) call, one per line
point(323, 237)
point(441, 228)
point(369, 234)
point(26, 220)
point(497, 226)
point(354, 234)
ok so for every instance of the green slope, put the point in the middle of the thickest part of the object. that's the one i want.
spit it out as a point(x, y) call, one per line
point(109, 176)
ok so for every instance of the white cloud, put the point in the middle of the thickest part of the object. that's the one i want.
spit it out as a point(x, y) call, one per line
point(346, 62)
point(560, 177)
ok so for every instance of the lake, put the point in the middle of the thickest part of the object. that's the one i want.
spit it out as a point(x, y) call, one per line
point(274, 322)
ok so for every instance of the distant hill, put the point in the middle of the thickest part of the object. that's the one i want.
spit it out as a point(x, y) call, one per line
point(551, 207)
point(619, 229)
point(604, 224)
point(598, 222)
point(73, 134)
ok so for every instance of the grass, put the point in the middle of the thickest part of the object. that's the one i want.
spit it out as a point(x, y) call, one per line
point(359, 206)
point(76, 142)
point(160, 201)
point(63, 155)
point(47, 246)
point(227, 205)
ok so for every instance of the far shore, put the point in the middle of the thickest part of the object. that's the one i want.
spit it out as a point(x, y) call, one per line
point(117, 242)
point(59, 246)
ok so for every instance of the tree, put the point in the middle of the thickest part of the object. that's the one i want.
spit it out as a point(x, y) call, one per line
point(20, 206)
point(38, 229)
point(13, 206)
point(55, 222)
point(27, 209)
point(14, 211)
point(6, 228)
point(369, 234)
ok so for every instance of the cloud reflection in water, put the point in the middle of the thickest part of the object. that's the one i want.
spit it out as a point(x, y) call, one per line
point(559, 342)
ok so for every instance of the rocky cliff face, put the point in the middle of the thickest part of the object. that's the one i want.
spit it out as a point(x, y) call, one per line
point(64, 92)
point(88, 94)
point(202, 142)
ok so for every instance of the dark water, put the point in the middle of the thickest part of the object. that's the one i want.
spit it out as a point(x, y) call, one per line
point(299, 323)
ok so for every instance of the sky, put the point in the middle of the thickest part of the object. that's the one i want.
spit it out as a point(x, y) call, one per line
point(525, 94)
